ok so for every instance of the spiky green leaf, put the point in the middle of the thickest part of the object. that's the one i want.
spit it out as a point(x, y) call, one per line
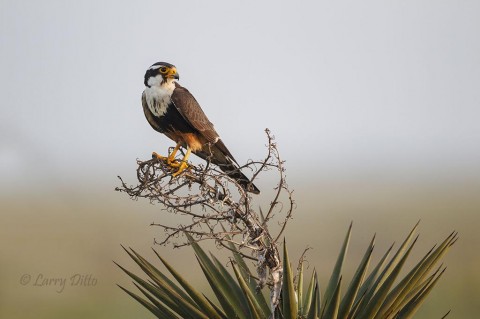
point(199, 299)
point(300, 289)
point(314, 309)
point(288, 291)
point(156, 275)
point(248, 278)
point(165, 295)
point(163, 310)
point(337, 270)
point(350, 295)
point(255, 307)
point(144, 303)
point(310, 293)
point(385, 282)
point(331, 309)
point(224, 288)
point(409, 310)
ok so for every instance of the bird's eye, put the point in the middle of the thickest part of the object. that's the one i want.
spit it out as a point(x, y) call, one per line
point(163, 69)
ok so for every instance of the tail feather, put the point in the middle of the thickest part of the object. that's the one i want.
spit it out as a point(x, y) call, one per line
point(234, 172)
point(219, 155)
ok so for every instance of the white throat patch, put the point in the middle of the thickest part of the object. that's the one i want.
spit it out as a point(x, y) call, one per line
point(158, 95)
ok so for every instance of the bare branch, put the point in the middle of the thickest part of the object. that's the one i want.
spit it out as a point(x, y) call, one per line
point(213, 206)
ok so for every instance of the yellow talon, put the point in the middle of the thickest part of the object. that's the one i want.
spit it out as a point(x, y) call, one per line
point(181, 168)
point(183, 163)
point(172, 162)
point(159, 157)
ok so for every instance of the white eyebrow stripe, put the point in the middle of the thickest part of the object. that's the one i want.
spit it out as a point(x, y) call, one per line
point(153, 67)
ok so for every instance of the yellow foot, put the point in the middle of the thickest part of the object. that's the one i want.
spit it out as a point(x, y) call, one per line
point(183, 166)
point(159, 157)
point(173, 162)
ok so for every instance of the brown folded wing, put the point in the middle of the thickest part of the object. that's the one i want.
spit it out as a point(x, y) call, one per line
point(193, 113)
point(190, 109)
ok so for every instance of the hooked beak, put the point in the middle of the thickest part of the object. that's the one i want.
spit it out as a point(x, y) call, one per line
point(173, 74)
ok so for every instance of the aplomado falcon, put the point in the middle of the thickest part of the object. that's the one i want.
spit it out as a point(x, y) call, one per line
point(172, 110)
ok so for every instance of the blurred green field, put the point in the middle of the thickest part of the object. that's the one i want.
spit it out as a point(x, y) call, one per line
point(58, 234)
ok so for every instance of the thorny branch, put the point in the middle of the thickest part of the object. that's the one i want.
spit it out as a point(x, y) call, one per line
point(217, 208)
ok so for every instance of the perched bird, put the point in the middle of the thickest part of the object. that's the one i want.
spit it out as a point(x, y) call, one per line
point(172, 110)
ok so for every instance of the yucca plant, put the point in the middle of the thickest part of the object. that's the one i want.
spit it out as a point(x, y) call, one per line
point(212, 206)
point(370, 294)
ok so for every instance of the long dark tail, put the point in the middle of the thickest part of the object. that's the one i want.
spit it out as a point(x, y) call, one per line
point(219, 155)
point(234, 172)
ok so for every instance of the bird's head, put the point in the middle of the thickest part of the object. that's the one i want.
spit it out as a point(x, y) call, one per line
point(160, 72)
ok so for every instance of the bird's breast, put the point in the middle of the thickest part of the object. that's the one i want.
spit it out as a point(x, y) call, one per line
point(158, 100)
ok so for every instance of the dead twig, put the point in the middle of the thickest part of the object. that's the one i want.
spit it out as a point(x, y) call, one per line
point(215, 207)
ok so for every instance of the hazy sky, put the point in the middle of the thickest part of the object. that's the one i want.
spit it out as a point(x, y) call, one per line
point(346, 86)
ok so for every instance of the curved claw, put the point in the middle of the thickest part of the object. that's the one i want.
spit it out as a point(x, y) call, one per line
point(173, 163)
point(183, 166)
point(159, 157)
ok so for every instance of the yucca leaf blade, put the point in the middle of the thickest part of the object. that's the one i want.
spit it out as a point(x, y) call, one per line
point(435, 256)
point(144, 303)
point(217, 308)
point(350, 295)
point(337, 270)
point(365, 288)
point(417, 274)
point(314, 309)
point(158, 291)
point(288, 290)
point(385, 282)
point(199, 299)
point(378, 282)
point(398, 296)
point(156, 275)
point(256, 309)
point(398, 255)
point(300, 289)
point(218, 290)
point(414, 293)
point(248, 278)
point(218, 282)
point(169, 297)
point(234, 286)
point(166, 313)
point(310, 294)
point(331, 309)
point(411, 308)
